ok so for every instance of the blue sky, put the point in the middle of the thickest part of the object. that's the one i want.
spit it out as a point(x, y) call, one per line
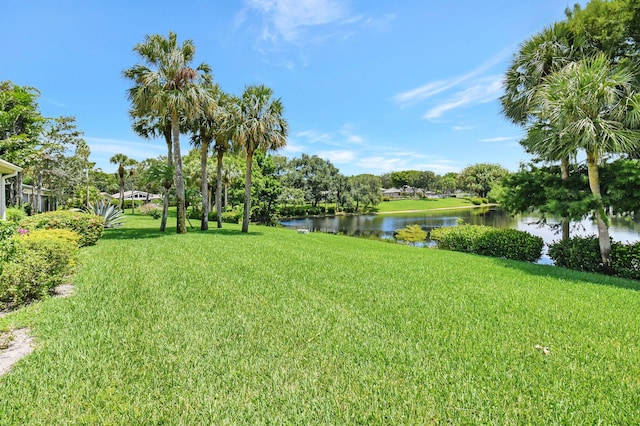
point(373, 86)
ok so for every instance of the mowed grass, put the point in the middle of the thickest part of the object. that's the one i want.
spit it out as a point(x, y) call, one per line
point(422, 204)
point(275, 327)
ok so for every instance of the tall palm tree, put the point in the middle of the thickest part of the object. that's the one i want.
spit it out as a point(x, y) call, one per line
point(538, 57)
point(204, 127)
point(122, 161)
point(591, 106)
point(228, 113)
point(260, 126)
point(170, 89)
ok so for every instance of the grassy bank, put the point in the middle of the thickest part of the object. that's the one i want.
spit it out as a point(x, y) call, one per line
point(421, 204)
point(277, 327)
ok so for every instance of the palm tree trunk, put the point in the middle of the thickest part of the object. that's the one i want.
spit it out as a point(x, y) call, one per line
point(204, 151)
point(247, 194)
point(564, 171)
point(603, 228)
point(165, 202)
point(181, 225)
point(219, 189)
point(165, 210)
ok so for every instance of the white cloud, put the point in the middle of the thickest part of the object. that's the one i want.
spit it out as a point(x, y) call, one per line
point(433, 88)
point(286, 19)
point(339, 156)
point(497, 139)
point(136, 150)
point(459, 128)
point(484, 90)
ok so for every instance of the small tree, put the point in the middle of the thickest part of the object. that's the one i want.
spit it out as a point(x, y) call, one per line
point(411, 234)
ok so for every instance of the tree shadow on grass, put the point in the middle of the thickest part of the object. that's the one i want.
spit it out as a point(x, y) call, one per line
point(129, 233)
point(568, 274)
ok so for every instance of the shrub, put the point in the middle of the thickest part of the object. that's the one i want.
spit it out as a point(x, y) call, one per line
point(510, 244)
point(7, 229)
point(331, 210)
point(89, 226)
point(476, 201)
point(151, 209)
point(489, 241)
point(231, 217)
point(459, 238)
point(15, 214)
point(42, 259)
point(411, 234)
point(583, 254)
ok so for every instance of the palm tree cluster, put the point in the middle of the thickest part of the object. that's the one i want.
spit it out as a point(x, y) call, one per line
point(574, 97)
point(169, 97)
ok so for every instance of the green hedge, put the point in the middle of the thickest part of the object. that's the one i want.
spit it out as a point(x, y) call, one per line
point(41, 261)
point(488, 241)
point(583, 254)
point(89, 226)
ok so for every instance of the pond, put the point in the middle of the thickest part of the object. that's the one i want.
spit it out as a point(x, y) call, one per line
point(384, 225)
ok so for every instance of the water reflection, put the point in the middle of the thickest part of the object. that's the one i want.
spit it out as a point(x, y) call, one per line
point(383, 226)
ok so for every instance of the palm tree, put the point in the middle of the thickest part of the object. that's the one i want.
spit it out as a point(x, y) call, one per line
point(260, 126)
point(150, 128)
point(538, 57)
point(591, 106)
point(122, 161)
point(171, 89)
point(228, 113)
point(204, 127)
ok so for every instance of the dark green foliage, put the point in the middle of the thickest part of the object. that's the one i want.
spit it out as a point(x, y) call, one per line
point(89, 226)
point(583, 254)
point(578, 253)
point(40, 262)
point(510, 244)
point(7, 229)
point(489, 241)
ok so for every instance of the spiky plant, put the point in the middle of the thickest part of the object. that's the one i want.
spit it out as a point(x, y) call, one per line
point(113, 217)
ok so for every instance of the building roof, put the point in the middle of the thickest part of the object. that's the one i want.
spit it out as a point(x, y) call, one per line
point(6, 168)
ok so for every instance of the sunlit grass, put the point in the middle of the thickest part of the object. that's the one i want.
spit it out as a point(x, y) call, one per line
point(421, 204)
point(277, 327)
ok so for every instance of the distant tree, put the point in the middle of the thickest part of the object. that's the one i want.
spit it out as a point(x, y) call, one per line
point(260, 126)
point(122, 161)
point(479, 178)
point(365, 190)
point(314, 175)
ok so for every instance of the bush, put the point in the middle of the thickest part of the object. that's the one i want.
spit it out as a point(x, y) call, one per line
point(89, 226)
point(151, 209)
point(15, 214)
point(510, 244)
point(488, 241)
point(583, 254)
point(331, 210)
point(476, 201)
point(7, 229)
point(578, 253)
point(411, 234)
point(231, 217)
point(42, 259)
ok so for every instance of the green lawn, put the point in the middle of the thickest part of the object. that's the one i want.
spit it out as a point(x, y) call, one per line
point(274, 327)
point(421, 204)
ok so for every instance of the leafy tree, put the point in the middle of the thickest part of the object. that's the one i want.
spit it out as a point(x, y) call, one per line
point(21, 126)
point(479, 178)
point(411, 234)
point(365, 190)
point(261, 126)
point(170, 89)
point(312, 174)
